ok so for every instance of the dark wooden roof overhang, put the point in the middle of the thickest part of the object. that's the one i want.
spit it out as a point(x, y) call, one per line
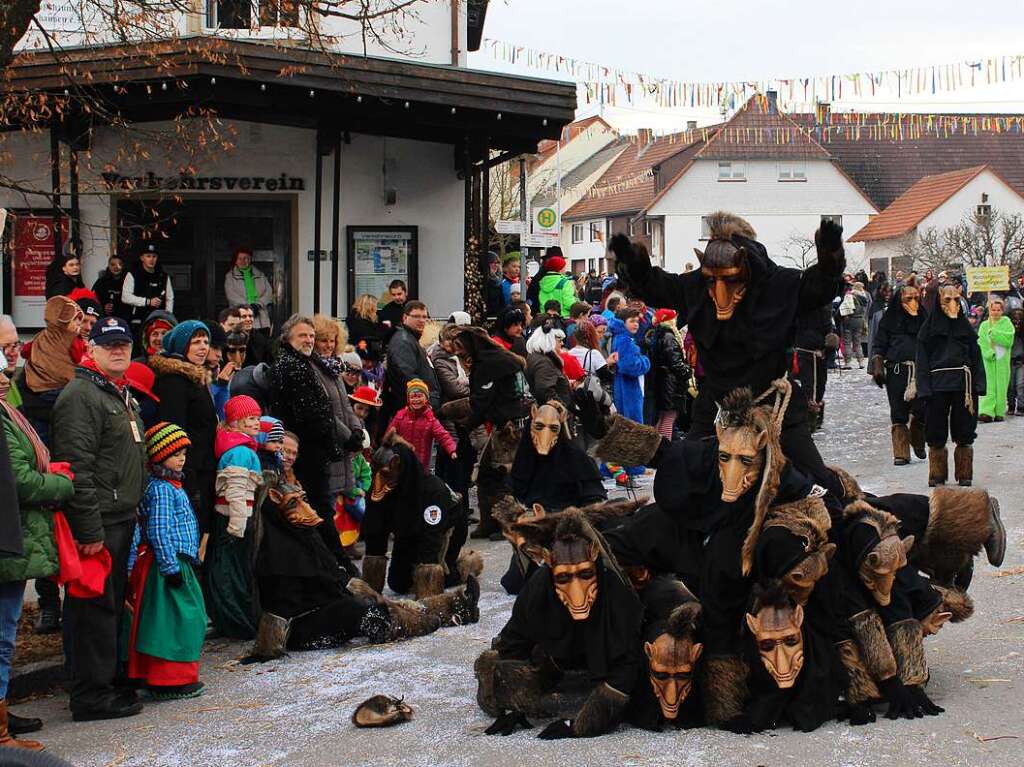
point(288, 85)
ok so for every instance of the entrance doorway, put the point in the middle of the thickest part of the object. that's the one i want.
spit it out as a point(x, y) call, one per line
point(196, 239)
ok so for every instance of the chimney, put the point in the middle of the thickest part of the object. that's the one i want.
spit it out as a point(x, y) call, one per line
point(773, 102)
point(691, 125)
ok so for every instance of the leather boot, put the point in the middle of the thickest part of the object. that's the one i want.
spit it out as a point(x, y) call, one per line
point(21, 725)
point(374, 570)
point(938, 466)
point(6, 739)
point(900, 445)
point(917, 437)
point(963, 464)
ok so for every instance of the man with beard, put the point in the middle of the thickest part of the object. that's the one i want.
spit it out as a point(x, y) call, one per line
point(951, 377)
point(741, 308)
point(893, 366)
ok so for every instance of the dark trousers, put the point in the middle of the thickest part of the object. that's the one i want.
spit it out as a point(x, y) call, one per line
point(813, 375)
point(900, 410)
point(316, 483)
point(49, 595)
point(95, 626)
point(947, 416)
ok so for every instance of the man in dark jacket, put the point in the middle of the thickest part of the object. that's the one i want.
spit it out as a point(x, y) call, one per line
point(407, 360)
point(97, 429)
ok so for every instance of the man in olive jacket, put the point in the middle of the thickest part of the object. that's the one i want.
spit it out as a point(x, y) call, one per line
point(97, 429)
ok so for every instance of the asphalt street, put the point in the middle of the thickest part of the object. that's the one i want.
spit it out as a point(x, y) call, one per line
point(296, 711)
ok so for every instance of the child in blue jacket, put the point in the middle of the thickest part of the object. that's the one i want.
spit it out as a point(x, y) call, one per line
point(631, 366)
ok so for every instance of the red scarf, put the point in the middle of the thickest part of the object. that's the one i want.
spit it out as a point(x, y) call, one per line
point(90, 364)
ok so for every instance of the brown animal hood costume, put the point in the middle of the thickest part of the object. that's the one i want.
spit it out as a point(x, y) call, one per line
point(50, 365)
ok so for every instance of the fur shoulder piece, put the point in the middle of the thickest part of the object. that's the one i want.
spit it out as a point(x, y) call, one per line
point(807, 518)
point(724, 225)
point(737, 408)
point(167, 366)
point(596, 513)
point(862, 511)
point(683, 620)
point(851, 488)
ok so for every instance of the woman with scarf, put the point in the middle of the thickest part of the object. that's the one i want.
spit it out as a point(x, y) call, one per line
point(38, 484)
point(508, 331)
point(892, 366)
point(183, 388)
point(246, 285)
point(950, 374)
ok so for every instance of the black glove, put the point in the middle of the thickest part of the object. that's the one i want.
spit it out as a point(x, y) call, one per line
point(633, 267)
point(741, 725)
point(558, 729)
point(829, 242)
point(902, 703)
point(876, 368)
point(174, 580)
point(507, 723)
point(589, 412)
point(858, 714)
point(929, 708)
point(354, 443)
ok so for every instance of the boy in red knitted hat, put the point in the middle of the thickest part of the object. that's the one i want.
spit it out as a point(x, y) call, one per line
point(168, 615)
point(238, 464)
point(417, 424)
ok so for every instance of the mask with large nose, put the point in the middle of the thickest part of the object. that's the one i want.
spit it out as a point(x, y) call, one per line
point(546, 424)
point(776, 623)
point(573, 565)
point(741, 455)
point(671, 663)
point(724, 263)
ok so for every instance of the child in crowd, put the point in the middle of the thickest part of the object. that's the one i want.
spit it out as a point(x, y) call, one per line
point(238, 465)
point(168, 615)
point(366, 404)
point(269, 440)
point(373, 368)
point(417, 424)
point(577, 312)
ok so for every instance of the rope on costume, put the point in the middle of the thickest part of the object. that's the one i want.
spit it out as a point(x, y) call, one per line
point(817, 353)
point(968, 380)
point(784, 391)
point(911, 391)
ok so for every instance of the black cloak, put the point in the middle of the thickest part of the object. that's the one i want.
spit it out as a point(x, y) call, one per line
point(896, 337)
point(565, 477)
point(947, 343)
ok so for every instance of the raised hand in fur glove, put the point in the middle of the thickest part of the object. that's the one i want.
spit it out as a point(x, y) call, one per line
point(828, 241)
point(876, 369)
point(632, 263)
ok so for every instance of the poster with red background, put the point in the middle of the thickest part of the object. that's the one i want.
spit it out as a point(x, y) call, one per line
point(32, 252)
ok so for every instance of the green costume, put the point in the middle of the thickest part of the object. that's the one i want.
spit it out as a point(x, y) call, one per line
point(557, 287)
point(995, 341)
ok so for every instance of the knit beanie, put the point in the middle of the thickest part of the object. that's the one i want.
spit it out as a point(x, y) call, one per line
point(271, 430)
point(352, 360)
point(417, 384)
point(164, 439)
point(177, 339)
point(242, 406)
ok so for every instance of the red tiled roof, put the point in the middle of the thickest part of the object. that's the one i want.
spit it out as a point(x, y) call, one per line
point(629, 169)
point(914, 205)
point(759, 131)
point(887, 153)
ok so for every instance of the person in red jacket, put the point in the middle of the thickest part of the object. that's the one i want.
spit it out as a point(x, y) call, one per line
point(417, 424)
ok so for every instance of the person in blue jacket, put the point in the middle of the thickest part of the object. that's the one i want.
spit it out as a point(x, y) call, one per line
point(631, 364)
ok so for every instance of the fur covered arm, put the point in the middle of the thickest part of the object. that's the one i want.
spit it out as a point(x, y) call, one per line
point(628, 443)
point(600, 712)
point(907, 641)
point(874, 645)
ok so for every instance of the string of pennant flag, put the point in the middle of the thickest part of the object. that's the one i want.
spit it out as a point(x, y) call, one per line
point(608, 85)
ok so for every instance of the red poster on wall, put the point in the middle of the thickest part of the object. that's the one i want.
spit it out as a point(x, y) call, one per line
point(32, 252)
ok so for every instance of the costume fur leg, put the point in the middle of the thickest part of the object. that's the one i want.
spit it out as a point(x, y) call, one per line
point(938, 466)
point(956, 602)
point(874, 645)
point(917, 437)
point(520, 686)
point(963, 464)
point(601, 711)
point(724, 686)
point(469, 563)
point(900, 444)
point(427, 580)
point(959, 523)
point(907, 640)
point(414, 619)
point(627, 443)
point(374, 570)
point(860, 687)
point(483, 669)
point(271, 637)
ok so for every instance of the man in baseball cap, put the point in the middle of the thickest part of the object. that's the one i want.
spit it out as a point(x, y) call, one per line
point(110, 331)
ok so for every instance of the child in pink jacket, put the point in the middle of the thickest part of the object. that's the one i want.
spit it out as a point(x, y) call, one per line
point(417, 424)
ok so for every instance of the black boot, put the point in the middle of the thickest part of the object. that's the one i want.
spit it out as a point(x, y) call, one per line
point(49, 606)
point(20, 725)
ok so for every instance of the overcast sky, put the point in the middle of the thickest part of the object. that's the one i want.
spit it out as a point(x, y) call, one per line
point(753, 39)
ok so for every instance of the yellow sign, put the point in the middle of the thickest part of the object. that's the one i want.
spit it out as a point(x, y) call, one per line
point(982, 279)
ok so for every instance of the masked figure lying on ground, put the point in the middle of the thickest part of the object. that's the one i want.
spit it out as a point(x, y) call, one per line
point(427, 520)
point(306, 601)
point(576, 614)
point(741, 309)
point(893, 366)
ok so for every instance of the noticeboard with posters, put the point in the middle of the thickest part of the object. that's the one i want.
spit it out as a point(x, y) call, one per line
point(29, 250)
point(377, 255)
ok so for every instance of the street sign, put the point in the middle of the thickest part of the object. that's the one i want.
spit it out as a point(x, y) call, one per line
point(981, 279)
point(509, 227)
point(538, 240)
point(545, 220)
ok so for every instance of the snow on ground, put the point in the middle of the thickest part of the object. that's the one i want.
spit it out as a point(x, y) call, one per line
point(296, 711)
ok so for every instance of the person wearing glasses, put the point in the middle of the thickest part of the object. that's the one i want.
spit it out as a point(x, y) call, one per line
point(10, 347)
point(406, 361)
point(147, 287)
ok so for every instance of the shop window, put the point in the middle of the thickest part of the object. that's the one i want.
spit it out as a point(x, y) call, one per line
point(732, 171)
point(279, 13)
point(577, 233)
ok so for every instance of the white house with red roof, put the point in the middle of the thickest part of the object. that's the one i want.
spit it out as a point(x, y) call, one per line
point(935, 202)
point(764, 166)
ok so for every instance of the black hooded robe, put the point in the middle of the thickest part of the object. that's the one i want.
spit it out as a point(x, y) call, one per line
point(895, 342)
